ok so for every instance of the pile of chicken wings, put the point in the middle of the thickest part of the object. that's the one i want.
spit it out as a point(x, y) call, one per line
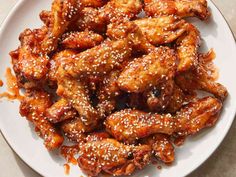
point(119, 79)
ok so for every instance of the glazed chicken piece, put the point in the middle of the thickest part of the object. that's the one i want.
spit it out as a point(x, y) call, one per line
point(99, 60)
point(198, 115)
point(89, 20)
point(131, 31)
point(187, 48)
point(181, 8)
point(159, 97)
point(63, 13)
point(81, 40)
point(33, 107)
point(107, 93)
point(58, 59)
point(31, 63)
point(60, 111)
point(130, 125)
point(148, 71)
point(76, 93)
point(202, 78)
point(120, 10)
point(161, 30)
point(162, 147)
point(113, 11)
point(112, 157)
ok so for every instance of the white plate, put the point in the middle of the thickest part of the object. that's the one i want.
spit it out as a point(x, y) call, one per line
point(21, 137)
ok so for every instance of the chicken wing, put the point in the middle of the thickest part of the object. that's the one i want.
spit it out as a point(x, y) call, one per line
point(161, 30)
point(112, 157)
point(198, 115)
point(81, 40)
point(76, 93)
point(63, 13)
point(162, 147)
point(202, 78)
point(99, 60)
point(58, 59)
point(60, 111)
point(130, 125)
point(146, 72)
point(120, 10)
point(33, 107)
point(107, 93)
point(131, 31)
point(187, 48)
point(182, 8)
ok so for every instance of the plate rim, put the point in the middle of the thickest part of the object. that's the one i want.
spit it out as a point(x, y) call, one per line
point(18, 4)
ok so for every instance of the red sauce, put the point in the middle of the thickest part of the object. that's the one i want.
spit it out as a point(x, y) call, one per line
point(67, 169)
point(179, 141)
point(13, 92)
point(1, 83)
point(69, 152)
point(159, 167)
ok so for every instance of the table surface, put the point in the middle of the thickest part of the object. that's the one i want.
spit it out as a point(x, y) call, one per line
point(221, 164)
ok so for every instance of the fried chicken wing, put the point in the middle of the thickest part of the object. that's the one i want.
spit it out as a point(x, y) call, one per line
point(107, 93)
point(182, 8)
point(32, 62)
point(187, 48)
point(76, 93)
point(120, 10)
point(146, 72)
point(100, 60)
point(131, 31)
point(162, 147)
point(81, 40)
point(202, 78)
point(161, 30)
point(89, 19)
point(58, 59)
point(130, 125)
point(60, 111)
point(63, 13)
point(33, 107)
point(112, 157)
point(198, 115)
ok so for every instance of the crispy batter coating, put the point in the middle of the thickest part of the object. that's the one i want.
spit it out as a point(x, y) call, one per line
point(187, 48)
point(162, 147)
point(33, 107)
point(198, 115)
point(182, 8)
point(60, 111)
point(130, 125)
point(112, 157)
point(81, 40)
point(99, 60)
point(161, 30)
point(145, 72)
